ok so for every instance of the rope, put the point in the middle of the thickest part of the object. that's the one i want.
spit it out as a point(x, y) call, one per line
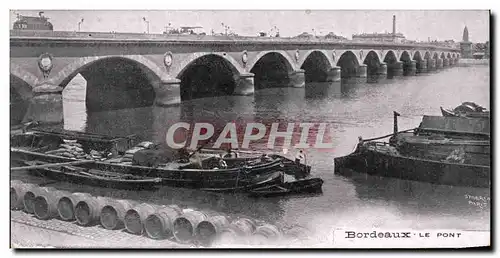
point(385, 136)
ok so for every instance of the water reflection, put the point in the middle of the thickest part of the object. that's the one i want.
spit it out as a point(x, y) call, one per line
point(322, 90)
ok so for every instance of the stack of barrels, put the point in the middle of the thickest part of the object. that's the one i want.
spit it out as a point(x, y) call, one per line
point(184, 226)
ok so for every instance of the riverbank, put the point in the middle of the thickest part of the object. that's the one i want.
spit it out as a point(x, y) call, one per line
point(468, 62)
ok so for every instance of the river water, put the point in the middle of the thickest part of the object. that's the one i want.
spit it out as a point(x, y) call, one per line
point(351, 109)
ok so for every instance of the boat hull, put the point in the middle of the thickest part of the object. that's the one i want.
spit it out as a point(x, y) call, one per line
point(189, 178)
point(388, 165)
point(447, 112)
point(439, 148)
point(303, 186)
point(106, 182)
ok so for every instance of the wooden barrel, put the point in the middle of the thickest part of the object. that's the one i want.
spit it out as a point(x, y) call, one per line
point(87, 211)
point(208, 230)
point(135, 217)
point(45, 204)
point(244, 227)
point(265, 233)
point(237, 232)
point(31, 194)
point(17, 192)
point(67, 203)
point(161, 224)
point(298, 233)
point(113, 214)
point(185, 225)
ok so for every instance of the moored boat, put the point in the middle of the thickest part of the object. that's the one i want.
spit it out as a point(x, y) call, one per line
point(459, 157)
point(93, 177)
point(467, 109)
point(237, 173)
point(301, 186)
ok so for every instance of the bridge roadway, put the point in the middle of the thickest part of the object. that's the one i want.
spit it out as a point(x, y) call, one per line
point(125, 70)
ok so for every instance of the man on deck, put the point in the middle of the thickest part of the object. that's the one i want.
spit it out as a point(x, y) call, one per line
point(299, 157)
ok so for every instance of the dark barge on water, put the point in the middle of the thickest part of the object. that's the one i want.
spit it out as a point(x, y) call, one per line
point(64, 156)
point(442, 150)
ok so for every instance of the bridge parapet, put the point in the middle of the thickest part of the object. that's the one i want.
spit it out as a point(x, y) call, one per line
point(203, 39)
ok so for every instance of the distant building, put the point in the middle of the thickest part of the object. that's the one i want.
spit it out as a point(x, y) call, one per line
point(32, 23)
point(304, 35)
point(386, 37)
point(465, 45)
point(332, 35)
point(478, 55)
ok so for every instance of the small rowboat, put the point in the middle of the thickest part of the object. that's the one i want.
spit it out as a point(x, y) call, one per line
point(273, 179)
point(302, 186)
point(94, 177)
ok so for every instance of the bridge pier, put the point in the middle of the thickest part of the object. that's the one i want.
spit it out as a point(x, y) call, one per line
point(244, 84)
point(422, 66)
point(168, 93)
point(334, 74)
point(297, 79)
point(446, 62)
point(361, 72)
point(431, 66)
point(439, 63)
point(396, 69)
point(46, 106)
point(411, 70)
point(382, 70)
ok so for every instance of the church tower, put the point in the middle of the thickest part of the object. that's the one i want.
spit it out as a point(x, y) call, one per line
point(466, 45)
point(465, 36)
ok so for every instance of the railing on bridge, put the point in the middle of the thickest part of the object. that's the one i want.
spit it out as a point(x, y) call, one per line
point(63, 35)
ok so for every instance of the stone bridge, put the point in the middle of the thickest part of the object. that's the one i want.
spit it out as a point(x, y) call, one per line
point(134, 70)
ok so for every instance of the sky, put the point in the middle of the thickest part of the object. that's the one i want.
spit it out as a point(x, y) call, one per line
point(414, 24)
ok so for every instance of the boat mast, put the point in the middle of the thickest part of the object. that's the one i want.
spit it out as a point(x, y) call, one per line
point(396, 114)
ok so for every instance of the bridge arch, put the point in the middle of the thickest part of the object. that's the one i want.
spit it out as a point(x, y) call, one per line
point(208, 75)
point(417, 56)
point(406, 59)
point(427, 55)
point(390, 57)
point(448, 55)
point(348, 63)
point(271, 69)
point(372, 62)
point(179, 67)
point(20, 96)
point(23, 75)
point(442, 56)
point(114, 82)
point(71, 70)
point(316, 64)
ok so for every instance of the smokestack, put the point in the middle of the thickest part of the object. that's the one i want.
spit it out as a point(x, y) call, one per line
point(394, 25)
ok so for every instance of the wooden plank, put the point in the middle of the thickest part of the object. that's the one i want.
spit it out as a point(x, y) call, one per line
point(79, 162)
point(458, 125)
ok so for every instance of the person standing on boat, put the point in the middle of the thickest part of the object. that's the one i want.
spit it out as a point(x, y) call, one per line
point(230, 153)
point(196, 161)
point(299, 157)
point(222, 163)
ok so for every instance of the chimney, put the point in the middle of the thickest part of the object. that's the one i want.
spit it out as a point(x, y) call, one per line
point(394, 25)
